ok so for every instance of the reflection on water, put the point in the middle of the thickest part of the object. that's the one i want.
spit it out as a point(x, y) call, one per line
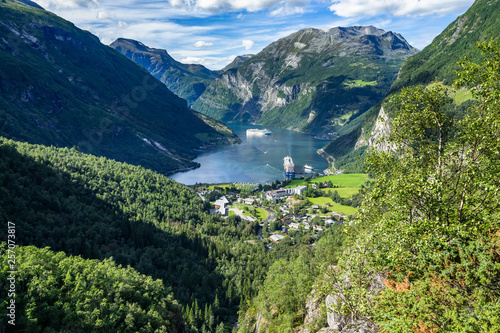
point(256, 160)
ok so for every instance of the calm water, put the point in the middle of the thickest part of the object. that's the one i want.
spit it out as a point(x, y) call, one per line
point(256, 160)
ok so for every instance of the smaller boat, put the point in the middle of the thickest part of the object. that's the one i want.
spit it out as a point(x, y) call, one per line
point(308, 168)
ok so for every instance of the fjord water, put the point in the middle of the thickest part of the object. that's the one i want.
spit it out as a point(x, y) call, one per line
point(257, 159)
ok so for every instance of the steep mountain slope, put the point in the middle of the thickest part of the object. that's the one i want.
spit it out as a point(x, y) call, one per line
point(60, 86)
point(238, 60)
point(187, 81)
point(438, 61)
point(311, 81)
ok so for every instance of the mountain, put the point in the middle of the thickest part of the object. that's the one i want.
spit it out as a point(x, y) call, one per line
point(312, 81)
point(60, 86)
point(438, 61)
point(238, 60)
point(188, 81)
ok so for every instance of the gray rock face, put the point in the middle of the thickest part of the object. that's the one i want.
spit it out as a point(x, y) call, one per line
point(378, 135)
point(308, 80)
point(346, 323)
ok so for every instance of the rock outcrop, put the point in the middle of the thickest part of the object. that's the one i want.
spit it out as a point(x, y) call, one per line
point(380, 132)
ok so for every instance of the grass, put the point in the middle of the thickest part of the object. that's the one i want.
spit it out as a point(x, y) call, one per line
point(458, 95)
point(262, 214)
point(344, 192)
point(344, 180)
point(333, 206)
point(348, 185)
point(227, 185)
point(359, 83)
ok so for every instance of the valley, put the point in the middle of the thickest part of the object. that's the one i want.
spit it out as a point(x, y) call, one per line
point(133, 198)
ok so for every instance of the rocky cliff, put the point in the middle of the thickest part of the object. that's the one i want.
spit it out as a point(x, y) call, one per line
point(312, 81)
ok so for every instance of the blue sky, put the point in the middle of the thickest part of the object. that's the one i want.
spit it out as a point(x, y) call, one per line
point(213, 32)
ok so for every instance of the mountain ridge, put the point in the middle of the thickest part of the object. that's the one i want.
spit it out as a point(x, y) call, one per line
point(186, 80)
point(60, 86)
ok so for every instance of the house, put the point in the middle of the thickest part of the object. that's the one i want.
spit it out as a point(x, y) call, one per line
point(221, 206)
point(294, 225)
point(249, 201)
point(300, 189)
point(315, 206)
point(284, 192)
point(276, 238)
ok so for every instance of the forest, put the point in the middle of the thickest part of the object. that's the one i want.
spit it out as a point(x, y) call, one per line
point(99, 209)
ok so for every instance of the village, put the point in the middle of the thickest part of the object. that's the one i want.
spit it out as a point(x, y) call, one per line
point(290, 207)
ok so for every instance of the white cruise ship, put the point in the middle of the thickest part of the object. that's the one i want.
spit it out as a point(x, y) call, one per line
point(258, 132)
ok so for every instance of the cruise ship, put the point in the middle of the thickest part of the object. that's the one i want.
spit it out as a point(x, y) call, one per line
point(289, 166)
point(258, 132)
point(292, 170)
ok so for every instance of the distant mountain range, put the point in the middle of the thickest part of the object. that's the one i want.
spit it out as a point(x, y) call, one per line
point(60, 86)
point(312, 81)
point(187, 81)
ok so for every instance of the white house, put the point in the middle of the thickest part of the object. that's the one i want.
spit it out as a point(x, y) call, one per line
point(221, 206)
point(284, 192)
point(276, 238)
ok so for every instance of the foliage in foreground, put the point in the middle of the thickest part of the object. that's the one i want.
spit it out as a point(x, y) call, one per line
point(430, 223)
point(59, 293)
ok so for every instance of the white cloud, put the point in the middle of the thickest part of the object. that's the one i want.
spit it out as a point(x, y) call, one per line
point(201, 44)
point(286, 11)
point(289, 6)
point(248, 44)
point(122, 25)
point(103, 15)
point(351, 8)
point(68, 3)
point(209, 62)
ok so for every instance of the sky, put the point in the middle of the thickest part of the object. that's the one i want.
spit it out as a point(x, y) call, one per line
point(213, 32)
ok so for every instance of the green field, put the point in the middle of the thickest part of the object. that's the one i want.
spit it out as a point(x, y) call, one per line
point(359, 83)
point(344, 180)
point(261, 213)
point(344, 192)
point(335, 207)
